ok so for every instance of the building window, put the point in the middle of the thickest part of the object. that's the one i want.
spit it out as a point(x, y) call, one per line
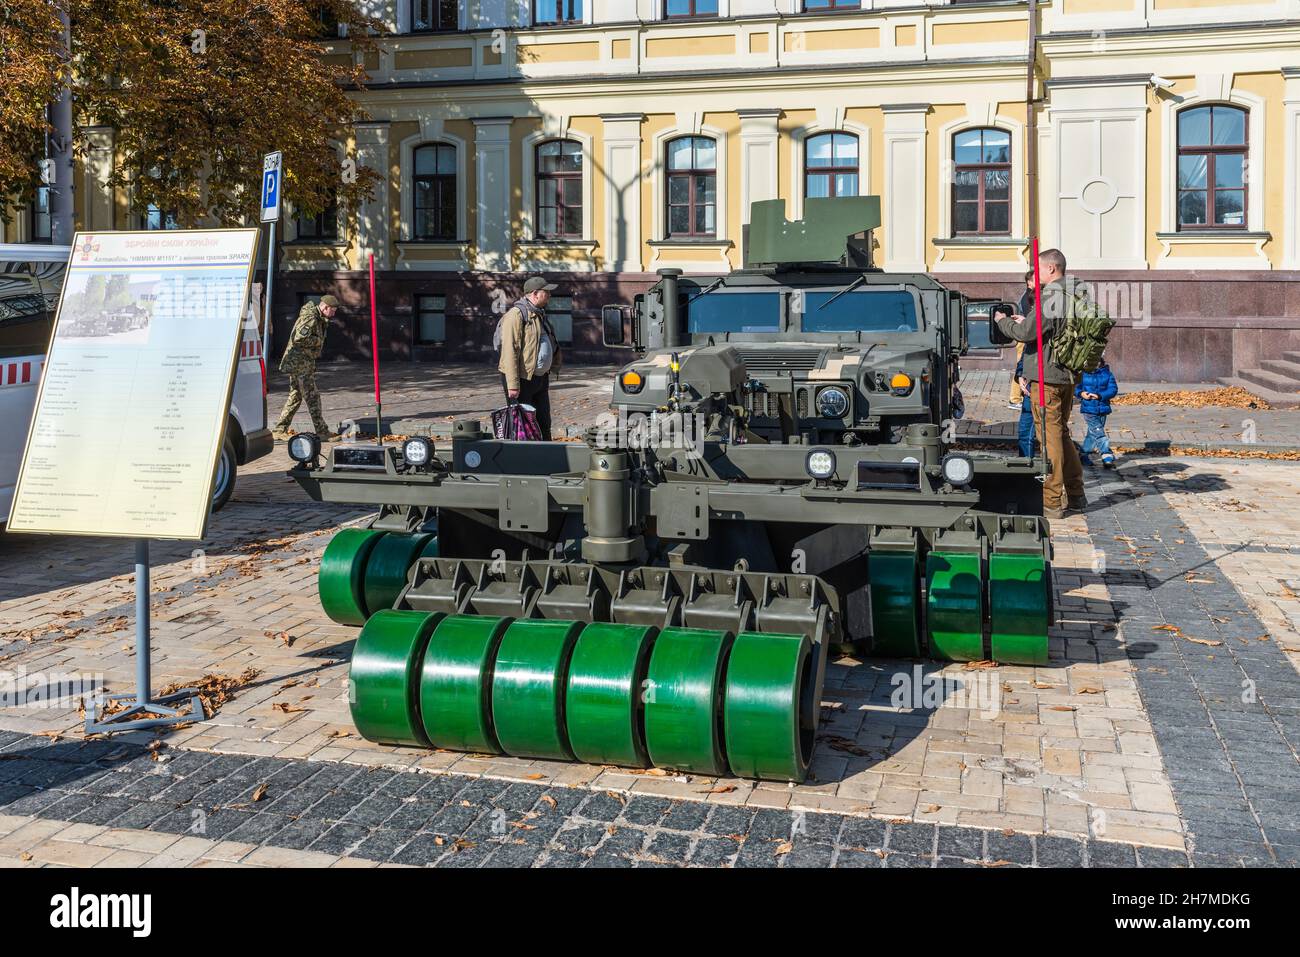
point(321, 228)
point(981, 187)
point(559, 190)
point(430, 15)
point(690, 8)
point(430, 319)
point(1212, 168)
point(435, 192)
point(155, 218)
point(818, 6)
point(40, 228)
point(559, 313)
point(692, 187)
point(830, 165)
point(557, 11)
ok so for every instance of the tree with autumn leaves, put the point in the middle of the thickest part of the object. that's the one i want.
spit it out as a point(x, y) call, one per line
point(196, 92)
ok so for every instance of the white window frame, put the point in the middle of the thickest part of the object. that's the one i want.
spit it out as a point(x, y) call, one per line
point(1255, 165)
point(659, 145)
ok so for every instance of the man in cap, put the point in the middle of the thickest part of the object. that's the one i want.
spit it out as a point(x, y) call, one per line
point(529, 351)
point(299, 363)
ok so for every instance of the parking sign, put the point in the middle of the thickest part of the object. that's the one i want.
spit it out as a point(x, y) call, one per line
point(271, 187)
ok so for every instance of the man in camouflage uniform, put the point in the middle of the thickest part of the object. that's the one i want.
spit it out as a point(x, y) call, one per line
point(299, 363)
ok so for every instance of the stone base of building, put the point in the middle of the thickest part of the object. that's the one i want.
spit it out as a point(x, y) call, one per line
point(1173, 326)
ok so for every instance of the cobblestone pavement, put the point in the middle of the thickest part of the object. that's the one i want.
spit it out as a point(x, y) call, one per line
point(419, 399)
point(1134, 745)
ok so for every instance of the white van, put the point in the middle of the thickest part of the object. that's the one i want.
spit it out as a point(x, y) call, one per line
point(31, 279)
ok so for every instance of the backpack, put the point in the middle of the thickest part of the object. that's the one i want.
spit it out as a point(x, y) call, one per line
point(1081, 341)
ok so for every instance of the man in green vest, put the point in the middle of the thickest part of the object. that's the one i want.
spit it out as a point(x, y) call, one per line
point(299, 364)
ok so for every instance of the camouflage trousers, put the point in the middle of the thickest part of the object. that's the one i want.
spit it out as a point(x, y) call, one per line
point(302, 388)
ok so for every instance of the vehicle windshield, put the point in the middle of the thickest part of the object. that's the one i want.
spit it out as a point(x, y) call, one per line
point(865, 311)
point(734, 312)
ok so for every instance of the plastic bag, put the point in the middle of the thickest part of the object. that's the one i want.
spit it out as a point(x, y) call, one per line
point(516, 422)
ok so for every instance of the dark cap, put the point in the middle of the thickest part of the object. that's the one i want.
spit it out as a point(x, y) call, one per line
point(535, 283)
point(329, 301)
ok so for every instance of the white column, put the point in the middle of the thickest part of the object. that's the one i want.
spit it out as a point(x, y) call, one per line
point(97, 167)
point(1290, 170)
point(492, 176)
point(372, 217)
point(758, 145)
point(622, 174)
point(905, 187)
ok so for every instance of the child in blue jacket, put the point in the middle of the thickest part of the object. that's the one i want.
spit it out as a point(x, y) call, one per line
point(1094, 391)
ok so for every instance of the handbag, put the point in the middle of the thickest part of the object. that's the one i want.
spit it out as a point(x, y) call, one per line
point(516, 422)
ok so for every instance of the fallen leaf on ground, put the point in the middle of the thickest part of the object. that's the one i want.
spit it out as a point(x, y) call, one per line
point(259, 792)
point(1202, 641)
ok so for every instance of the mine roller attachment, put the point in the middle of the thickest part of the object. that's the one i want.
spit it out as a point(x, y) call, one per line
point(894, 570)
point(387, 567)
point(769, 715)
point(456, 683)
point(1020, 593)
point(384, 678)
point(603, 701)
point(683, 721)
point(954, 574)
point(528, 685)
point(365, 570)
point(689, 699)
point(341, 580)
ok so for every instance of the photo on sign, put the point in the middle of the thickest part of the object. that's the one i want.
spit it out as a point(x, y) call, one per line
point(110, 308)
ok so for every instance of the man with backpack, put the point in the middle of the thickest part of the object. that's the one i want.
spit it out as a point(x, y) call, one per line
point(529, 351)
point(1074, 338)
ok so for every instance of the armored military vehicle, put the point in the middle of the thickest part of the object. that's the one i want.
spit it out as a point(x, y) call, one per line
point(667, 591)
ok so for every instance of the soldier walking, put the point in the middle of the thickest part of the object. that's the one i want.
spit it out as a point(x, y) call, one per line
point(299, 363)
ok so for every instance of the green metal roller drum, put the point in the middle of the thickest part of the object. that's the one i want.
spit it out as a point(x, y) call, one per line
point(603, 707)
point(455, 684)
point(683, 700)
point(1019, 612)
point(766, 695)
point(895, 596)
point(387, 567)
point(341, 579)
point(384, 676)
point(528, 687)
point(955, 605)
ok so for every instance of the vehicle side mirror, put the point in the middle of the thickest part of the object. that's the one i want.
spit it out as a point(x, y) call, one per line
point(612, 325)
point(996, 335)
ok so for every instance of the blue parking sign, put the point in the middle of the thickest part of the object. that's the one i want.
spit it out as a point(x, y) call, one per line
point(271, 187)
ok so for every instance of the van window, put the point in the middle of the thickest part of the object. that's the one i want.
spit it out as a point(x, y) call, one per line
point(29, 297)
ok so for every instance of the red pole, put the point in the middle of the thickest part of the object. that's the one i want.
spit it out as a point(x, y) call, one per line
point(1042, 389)
point(374, 351)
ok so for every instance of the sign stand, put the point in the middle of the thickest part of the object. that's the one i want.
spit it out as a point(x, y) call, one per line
point(166, 710)
point(272, 200)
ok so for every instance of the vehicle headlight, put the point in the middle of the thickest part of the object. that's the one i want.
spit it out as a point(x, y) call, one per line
point(957, 469)
point(832, 403)
point(304, 447)
point(631, 381)
point(820, 464)
point(900, 383)
point(417, 451)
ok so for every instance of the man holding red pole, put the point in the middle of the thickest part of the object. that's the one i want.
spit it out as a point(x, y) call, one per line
point(1051, 386)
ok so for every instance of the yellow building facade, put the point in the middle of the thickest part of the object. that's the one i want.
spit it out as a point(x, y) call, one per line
point(601, 140)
